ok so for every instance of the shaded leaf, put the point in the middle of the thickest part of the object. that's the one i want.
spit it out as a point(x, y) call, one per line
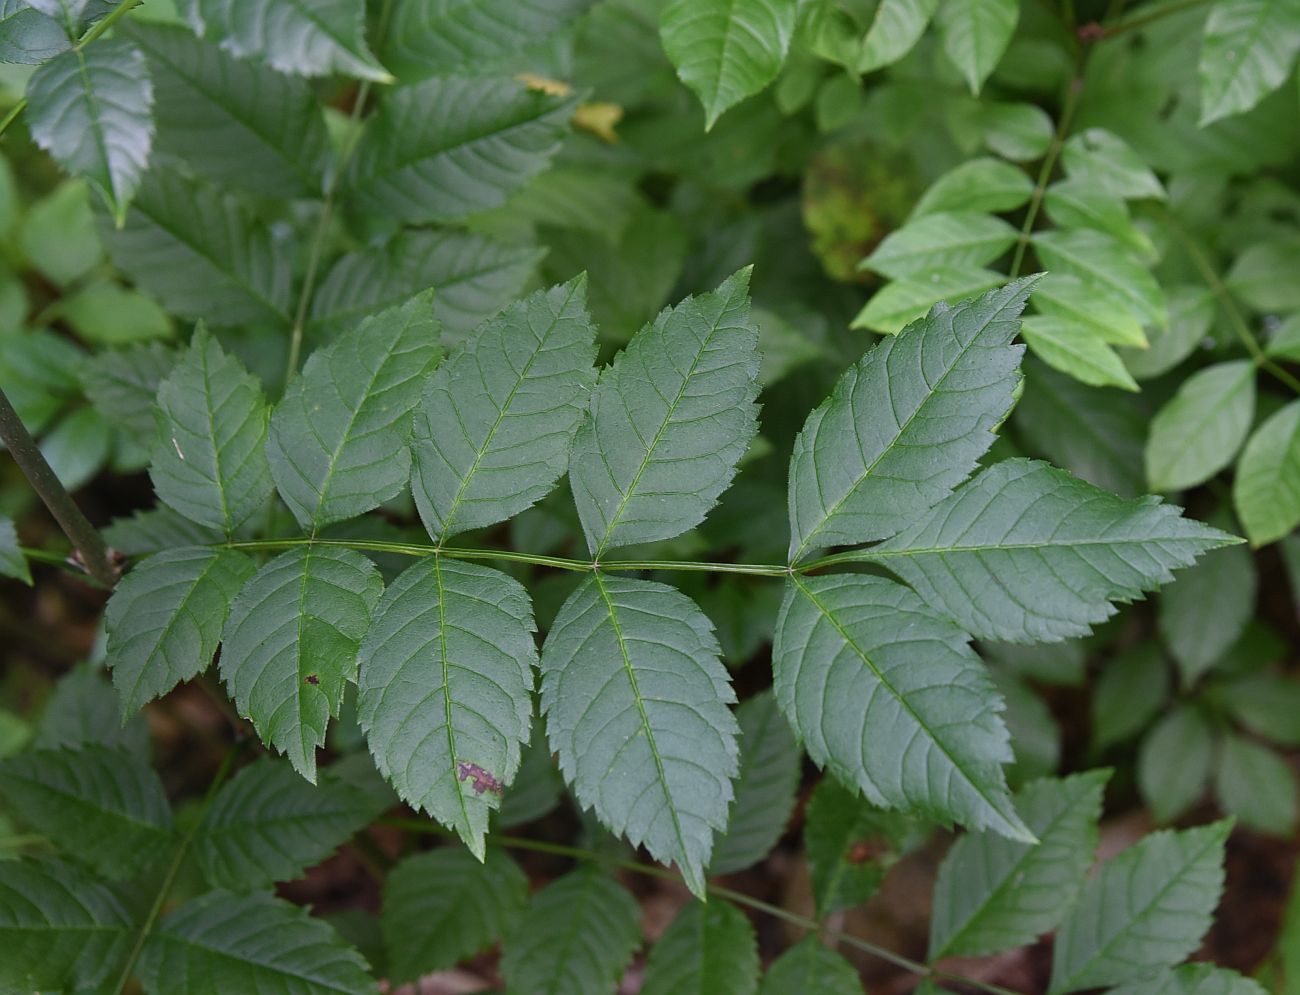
point(1198, 432)
point(1266, 488)
point(708, 950)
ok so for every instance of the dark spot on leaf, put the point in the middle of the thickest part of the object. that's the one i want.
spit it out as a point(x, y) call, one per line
point(864, 850)
point(483, 780)
point(313, 680)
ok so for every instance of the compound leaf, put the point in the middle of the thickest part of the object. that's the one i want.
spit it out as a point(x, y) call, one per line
point(906, 423)
point(635, 699)
point(165, 617)
point(290, 644)
point(892, 700)
point(669, 421)
point(444, 689)
point(493, 428)
point(1026, 553)
point(1146, 909)
point(338, 440)
point(707, 950)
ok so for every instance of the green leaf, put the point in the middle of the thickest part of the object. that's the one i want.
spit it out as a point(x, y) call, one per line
point(895, 30)
point(1284, 343)
point(1198, 432)
point(59, 926)
point(12, 562)
point(904, 301)
point(1099, 158)
point(1198, 638)
point(444, 906)
point(809, 966)
point(1174, 763)
point(201, 253)
point(165, 617)
point(849, 846)
point(923, 733)
point(1266, 489)
point(995, 894)
point(453, 145)
point(1090, 305)
point(707, 950)
point(691, 379)
point(444, 689)
point(1076, 203)
point(494, 425)
point(472, 277)
point(1247, 53)
point(82, 711)
point(1131, 691)
point(1019, 132)
point(442, 36)
point(906, 423)
point(90, 109)
point(1266, 705)
point(1147, 908)
point(122, 385)
point(1102, 262)
point(249, 943)
point(975, 33)
point(154, 530)
point(106, 313)
point(983, 185)
point(290, 644)
point(635, 701)
point(765, 787)
point(1191, 979)
point(1027, 553)
point(576, 938)
point(726, 50)
point(298, 37)
point(1035, 736)
point(77, 447)
point(338, 442)
point(1262, 276)
point(27, 36)
point(961, 239)
point(209, 461)
point(235, 122)
point(106, 808)
point(1191, 312)
point(1256, 785)
point(58, 234)
point(1075, 349)
point(1096, 435)
point(267, 824)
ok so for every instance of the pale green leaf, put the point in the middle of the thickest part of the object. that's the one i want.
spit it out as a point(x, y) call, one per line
point(975, 33)
point(106, 313)
point(726, 50)
point(338, 441)
point(576, 938)
point(962, 239)
point(59, 927)
point(267, 824)
point(472, 278)
point(1197, 638)
point(1266, 489)
point(904, 301)
point(165, 617)
point(895, 30)
point(995, 894)
point(444, 906)
point(1027, 553)
point(1076, 349)
point(1264, 275)
point(810, 966)
point(837, 823)
point(1256, 785)
point(452, 145)
point(906, 423)
point(691, 379)
point(1147, 908)
point(232, 121)
point(1173, 766)
point(892, 700)
point(209, 461)
point(249, 943)
point(78, 446)
point(1192, 979)
point(105, 808)
point(299, 37)
point(1019, 132)
point(27, 36)
point(1100, 260)
point(1284, 343)
point(1198, 432)
point(1101, 159)
point(765, 787)
point(707, 950)
point(984, 185)
point(12, 562)
point(444, 689)
point(290, 644)
point(1076, 203)
point(1131, 691)
point(201, 252)
point(1247, 52)
point(90, 109)
point(494, 425)
point(1191, 312)
point(635, 700)
point(1088, 305)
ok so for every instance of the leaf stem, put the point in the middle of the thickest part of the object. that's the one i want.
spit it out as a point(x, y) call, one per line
point(169, 878)
point(1149, 16)
point(739, 897)
point(90, 546)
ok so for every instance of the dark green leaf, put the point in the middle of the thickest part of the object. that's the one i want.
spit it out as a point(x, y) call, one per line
point(707, 950)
